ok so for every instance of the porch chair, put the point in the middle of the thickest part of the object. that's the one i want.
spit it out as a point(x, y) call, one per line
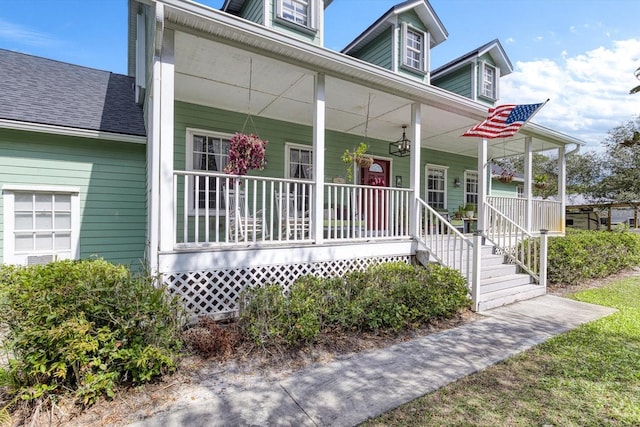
point(243, 226)
point(294, 222)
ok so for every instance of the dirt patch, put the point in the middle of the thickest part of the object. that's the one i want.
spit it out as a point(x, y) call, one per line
point(198, 377)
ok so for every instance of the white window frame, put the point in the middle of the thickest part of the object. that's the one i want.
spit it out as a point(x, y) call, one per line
point(520, 191)
point(423, 51)
point(191, 132)
point(493, 84)
point(10, 255)
point(467, 175)
point(288, 146)
point(310, 18)
point(444, 169)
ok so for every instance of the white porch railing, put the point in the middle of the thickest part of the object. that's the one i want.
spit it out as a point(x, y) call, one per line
point(545, 214)
point(215, 209)
point(513, 241)
point(365, 212)
point(444, 242)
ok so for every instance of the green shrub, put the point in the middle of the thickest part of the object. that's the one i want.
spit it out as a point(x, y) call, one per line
point(582, 255)
point(84, 326)
point(386, 297)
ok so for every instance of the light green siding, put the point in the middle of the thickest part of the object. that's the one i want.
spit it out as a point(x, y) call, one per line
point(456, 166)
point(499, 188)
point(458, 82)
point(253, 10)
point(111, 178)
point(379, 51)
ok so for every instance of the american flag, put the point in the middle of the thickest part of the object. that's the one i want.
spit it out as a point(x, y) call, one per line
point(503, 121)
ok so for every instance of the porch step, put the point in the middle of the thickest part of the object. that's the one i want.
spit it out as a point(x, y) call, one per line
point(509, 296)
point(494, 284)
point(497, 270)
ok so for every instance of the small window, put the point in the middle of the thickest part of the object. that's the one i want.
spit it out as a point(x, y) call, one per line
point(520, 191)
point(437, 186)
point(296, 11)
point(207, 152)
point(41, 224)
point(489, 81)
point(471, 187)
point(414, 48)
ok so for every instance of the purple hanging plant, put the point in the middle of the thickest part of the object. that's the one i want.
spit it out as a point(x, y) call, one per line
point(246, 152)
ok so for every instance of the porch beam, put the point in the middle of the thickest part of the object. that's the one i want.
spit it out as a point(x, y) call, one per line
point(528, 179)
point(414, 168)
point(165, 101)
point(562, 184)
point(482, 182)
point(318, 157)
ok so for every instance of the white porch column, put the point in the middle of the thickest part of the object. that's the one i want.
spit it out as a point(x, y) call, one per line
point(562, 184)
point(414, 169)
point(482, 183)
point(318, 157)
point(528, 179)
point(165, 104)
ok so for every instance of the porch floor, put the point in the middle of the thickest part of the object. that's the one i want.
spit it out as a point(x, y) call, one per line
point(351, 390)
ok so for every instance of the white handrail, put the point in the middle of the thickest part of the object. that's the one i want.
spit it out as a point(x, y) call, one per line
point(444, 242)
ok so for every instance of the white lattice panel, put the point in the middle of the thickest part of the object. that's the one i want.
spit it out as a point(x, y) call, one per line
point(217, 291)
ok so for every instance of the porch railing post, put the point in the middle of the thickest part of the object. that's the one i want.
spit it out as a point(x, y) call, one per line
point(528, 178)
point(475, 273)
point(544, 240)
point(414, 181)
point(318, 158)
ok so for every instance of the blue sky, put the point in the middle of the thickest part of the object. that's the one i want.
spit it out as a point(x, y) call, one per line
point(579, 53)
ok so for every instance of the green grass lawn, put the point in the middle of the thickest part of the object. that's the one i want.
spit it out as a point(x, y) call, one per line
point(587, 377)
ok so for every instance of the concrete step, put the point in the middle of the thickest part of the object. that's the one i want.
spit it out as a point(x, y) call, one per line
point(509, 296)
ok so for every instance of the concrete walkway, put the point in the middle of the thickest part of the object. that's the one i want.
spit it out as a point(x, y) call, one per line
point(349, 391)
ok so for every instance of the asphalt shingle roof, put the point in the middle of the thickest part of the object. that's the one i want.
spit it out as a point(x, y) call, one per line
point(44, 91)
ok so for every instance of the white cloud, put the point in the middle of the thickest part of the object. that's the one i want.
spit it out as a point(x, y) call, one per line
point(19, 34)
point(589, 93)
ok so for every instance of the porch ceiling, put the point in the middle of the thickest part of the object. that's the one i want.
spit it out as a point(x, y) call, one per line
point(219, 75)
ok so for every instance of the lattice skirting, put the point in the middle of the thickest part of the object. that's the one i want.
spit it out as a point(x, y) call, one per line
point(217, 291)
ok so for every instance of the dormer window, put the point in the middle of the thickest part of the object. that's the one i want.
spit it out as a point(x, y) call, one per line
point(414, 49)
point(489, 81)
point(296, 11)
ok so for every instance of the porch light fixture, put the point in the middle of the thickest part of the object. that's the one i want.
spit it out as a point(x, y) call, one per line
point(401, 147)
point(456, 182)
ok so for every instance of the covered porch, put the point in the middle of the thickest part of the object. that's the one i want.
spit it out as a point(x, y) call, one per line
point(216, 74)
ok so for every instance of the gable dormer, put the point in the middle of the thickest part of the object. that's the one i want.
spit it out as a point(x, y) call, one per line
point(302, 19)
point(475, 75)
point(401, 39)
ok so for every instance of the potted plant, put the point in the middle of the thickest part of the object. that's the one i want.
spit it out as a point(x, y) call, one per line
point(357, 156)
point(459, 213)
point(469, 209)
point(540, 181)
point(246, 152)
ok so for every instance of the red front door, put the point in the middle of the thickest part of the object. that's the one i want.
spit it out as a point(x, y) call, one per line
point(374, 201)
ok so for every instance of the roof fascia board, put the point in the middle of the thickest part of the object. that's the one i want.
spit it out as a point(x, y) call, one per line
point(69, 131)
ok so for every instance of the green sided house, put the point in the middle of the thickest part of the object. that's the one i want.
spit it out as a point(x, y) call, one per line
point(145, 166)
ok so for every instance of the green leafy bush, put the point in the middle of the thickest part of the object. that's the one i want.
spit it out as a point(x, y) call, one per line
point(84, 326)
point(386, 297)
point(582, 255)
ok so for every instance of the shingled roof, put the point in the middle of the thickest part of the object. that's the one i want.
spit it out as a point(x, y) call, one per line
point(44, 91)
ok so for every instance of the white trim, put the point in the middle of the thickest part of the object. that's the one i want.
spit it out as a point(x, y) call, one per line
point(69, 131)
point(406, 28)
point(434, 167)
point(288, 146)
point(310, 26)
point(483, 67)
point(464, 182)
point(40, 188)
point(8, 195)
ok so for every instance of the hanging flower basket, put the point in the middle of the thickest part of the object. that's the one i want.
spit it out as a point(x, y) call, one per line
point(246, 152)
point(506, 176)
point(364, 161)
point(541, 185)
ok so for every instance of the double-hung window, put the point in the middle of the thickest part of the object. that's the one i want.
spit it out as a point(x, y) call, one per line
point(207, 152)
point(299, 164)
point(471, 187)
point(414, 50)
point(437, 186)
point(296, 11)
point(489, 81)
point(41, 224)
